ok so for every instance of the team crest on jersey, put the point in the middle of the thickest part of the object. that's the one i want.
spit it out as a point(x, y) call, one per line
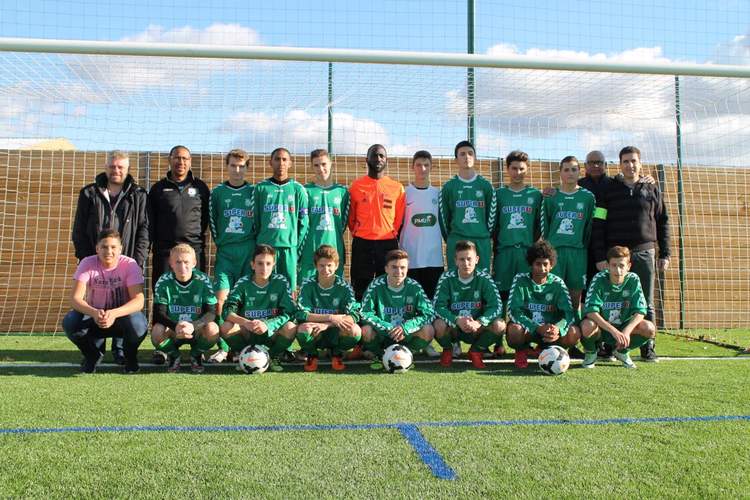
point(274, 297)
point(479, 194)
point(336, 302)
point(476, 294)
point(434, 201)
point(192, 191)
point(290, 198)
point(548, 297)
point(579, 206)
point(530, 200)
point(247, 202)
point(626, 293)
point(409, 300)
point(251, 300)
point(278, 221)
point(196, 298)
point(516, 221)
point(228, 201)
point(566, 227)
point(337, 200)
point(316, 200)
point(455, 295)
point(470, 216)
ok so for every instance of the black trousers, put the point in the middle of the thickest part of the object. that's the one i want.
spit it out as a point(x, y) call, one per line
point(368, 261)
point(428, 277)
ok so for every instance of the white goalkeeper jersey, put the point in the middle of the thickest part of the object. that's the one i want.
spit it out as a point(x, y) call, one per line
point(420, 233)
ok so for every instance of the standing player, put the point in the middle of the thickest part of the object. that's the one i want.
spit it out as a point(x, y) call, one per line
point(107, 300)
point(615, 310)
point(467, 207)
point(328, 214)
point(259, 309)
point(566, 218)
point(184, 310)
point(375, 218)
point(396, 310)
point(280, 215)
point(327, 312)
point(468, 307)
point(539, 307)
point(231, 223)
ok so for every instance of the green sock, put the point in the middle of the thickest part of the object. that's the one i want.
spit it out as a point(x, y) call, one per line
point(375, 346)
point(280, 343)
point(485, 340)
point(236, 342)
point(168, 347)
point(307, 343)
point(446, 342)
point(346, 342)
point(416, 344)
point(637, 341)
point(589, 343)
point(200, 346)
point(222, 344)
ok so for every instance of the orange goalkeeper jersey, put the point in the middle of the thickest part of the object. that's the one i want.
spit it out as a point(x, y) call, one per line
point(377, 208)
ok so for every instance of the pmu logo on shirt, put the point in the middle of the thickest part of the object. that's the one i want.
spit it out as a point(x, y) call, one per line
point(423, 220)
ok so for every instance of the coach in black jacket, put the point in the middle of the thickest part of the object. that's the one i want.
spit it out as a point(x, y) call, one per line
point(633, 214)
point(113, 201)
point(178, 212)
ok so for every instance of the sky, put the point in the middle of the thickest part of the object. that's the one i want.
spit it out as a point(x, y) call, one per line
point(150, 104)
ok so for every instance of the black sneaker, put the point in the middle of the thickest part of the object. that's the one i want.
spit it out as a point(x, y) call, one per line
point(131, 366)
point(173, 365)
point(196, 364)
point(159, 358)
point(287, 357)
point(90, 363)
point(605, 352)
point(119, 358)
point(575, 353)
point(648, 353)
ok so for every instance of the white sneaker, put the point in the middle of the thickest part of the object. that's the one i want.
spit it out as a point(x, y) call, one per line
point(624, 358)
point(457, 351)
point(218, 357)
point(431, 352)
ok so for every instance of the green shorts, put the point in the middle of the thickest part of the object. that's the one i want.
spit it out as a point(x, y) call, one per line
point(509, 261)
point(571, 266)
point(232, 263)
point(286, 265)
point(484, 250)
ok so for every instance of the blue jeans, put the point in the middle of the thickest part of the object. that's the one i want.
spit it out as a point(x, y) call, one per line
point(85, 333)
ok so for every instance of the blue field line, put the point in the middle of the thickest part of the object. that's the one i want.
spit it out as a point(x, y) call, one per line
point(429, 455)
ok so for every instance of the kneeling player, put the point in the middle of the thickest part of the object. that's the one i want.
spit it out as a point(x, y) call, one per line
point(539, 307)
point(180, 297)
point(396, 310)
point(328, 312)
point(615, 310)
point(259, 309)
point(468, 307)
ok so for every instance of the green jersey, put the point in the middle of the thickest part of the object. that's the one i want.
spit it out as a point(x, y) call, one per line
point(478, 298)
point(517, 217)
point(385, 308)
point(467, 208)
point(230, 214)
point(338, 299)
point(328, 214)
point(184, 301)
point(566, 218)
point(615, 303)
point(271, 303)
point(280, 214)
point(531, 304)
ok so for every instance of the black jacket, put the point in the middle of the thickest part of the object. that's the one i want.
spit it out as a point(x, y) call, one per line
point(636, 218)
point(129, 216)
point(178, 216)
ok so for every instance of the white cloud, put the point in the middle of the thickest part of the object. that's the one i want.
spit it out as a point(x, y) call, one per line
point(301, 131)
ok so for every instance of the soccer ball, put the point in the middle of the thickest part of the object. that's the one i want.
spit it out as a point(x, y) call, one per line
point(397, 359)
point(254, 360)
point(554, 360)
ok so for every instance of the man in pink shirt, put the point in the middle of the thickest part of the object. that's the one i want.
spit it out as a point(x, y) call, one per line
point(107, 300)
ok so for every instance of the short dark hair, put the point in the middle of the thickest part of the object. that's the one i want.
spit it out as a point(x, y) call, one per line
point(516, 155)
point(463, 144)
point(421, 154)
point(171, 151)
point(108, 233)
point(263, 249)
point(326, 252)
point(396, 254)
point(541, 250)
point(629, 150)
point(273, 153)
point(569, 159)
point(317, 153)
point(463, 245)
point(617, 252)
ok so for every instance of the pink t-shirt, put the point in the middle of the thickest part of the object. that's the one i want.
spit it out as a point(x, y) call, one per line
point(108, 288)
